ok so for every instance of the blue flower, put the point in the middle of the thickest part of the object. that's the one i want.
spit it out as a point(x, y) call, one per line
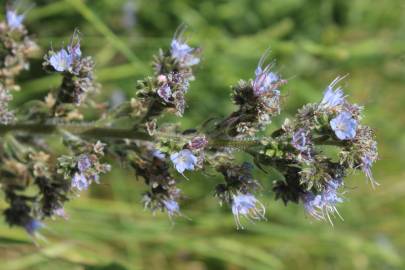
point(74, 51)
point(158, 154)
point(333, 98)
point(172, 207)
point(14, 20)
point(83, 163)
point(79, 181)
point(183, 53)
point(61, 61)
point(248, 206)
point(33, 225)
point(60, 212)
point(183, 160)
point(344, 126)
point(322, 205)
point(300, 140)
point(367, 162)
point(74, 47)
point(266, 81)
point(165, 92)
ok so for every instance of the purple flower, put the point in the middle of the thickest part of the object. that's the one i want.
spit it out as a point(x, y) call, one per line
point(33, 225)
point(172, 207)
point(265, 80)
point(367, 162)
point(300, 140)
point(79, 181)
point(60, 212)
point(14, 20)
point(183, 160)
point(333, 97)
point(83, 163)
point(74, 51)
point(344, 126)
point(183, 53)
point(165, 92)
point(248, 206)
point(74, 47)
point(322, 205)
point(61, 61)
point(158, 154)
point(198, 142)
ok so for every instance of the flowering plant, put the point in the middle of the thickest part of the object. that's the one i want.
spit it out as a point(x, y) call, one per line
point(37, 181)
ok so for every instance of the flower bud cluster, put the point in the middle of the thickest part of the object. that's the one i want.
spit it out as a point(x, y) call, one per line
point(173, 73)
point(77, 71)
point(258, 101)
point(85, 166)
point(152, 165)
point(15, 49)
point(334, 122)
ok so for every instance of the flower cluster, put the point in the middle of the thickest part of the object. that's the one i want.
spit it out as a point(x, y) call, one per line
point(323, 205)
point(311, 153)
point(16, 47)
point(84, 168)
point(163, 193)
point(78, 79)
point(336, 122)
point(173, 73)
point(258, 101)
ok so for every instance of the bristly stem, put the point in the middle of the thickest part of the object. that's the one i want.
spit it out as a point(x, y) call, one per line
point(91, 131)
point(78, 129)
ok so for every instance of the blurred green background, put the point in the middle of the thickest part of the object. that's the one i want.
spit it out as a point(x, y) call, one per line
point(313, 42)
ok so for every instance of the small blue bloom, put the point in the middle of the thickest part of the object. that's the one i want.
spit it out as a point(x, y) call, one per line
point(60, 212)
point(33, 225)
point(79, 181)
point(300, 140)
point(322, 205)
point(183, 53)
point(183, 160)
point(172, 207)
point(333, 98)
point(61, 61)
point(248, 206)
point(344, 126)
point(367, 162)
point(265, 81)
point(74, 51)
point(83, 163)
point(14, 20)
point(165, 92)
point(158, 154)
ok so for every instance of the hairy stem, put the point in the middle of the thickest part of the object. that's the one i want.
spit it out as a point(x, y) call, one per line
point(77, 129)
point(89, 130)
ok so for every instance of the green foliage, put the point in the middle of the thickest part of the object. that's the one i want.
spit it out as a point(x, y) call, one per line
point(313, 42)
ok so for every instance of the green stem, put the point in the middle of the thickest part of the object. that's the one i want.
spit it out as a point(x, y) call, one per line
point(77, 129)
point(240, 144)
point(87, 130)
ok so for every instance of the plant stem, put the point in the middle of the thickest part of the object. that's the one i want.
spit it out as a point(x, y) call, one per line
point(89, 130)
point(77, 129)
